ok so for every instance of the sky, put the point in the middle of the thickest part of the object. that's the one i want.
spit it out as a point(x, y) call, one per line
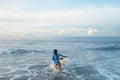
point(36, 19)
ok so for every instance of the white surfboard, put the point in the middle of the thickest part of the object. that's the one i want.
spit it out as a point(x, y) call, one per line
point(62, 61)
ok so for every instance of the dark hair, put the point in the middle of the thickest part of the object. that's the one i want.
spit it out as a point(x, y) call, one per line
point(55, 51)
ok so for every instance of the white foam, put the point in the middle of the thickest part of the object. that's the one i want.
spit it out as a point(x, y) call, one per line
point(17, 76)
point(107, 73)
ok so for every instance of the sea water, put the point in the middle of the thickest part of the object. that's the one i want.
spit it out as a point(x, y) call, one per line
point(91, 58)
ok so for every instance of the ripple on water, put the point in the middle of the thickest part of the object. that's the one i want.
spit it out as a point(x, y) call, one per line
point(6, 78)
point(87, 73)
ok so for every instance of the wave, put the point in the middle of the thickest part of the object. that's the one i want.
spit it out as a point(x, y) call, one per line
point(18, 51)
point(112, 47)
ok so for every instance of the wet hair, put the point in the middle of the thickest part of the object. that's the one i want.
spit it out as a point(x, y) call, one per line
point(55, 51)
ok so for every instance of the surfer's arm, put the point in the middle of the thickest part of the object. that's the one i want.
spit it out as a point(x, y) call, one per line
point(62, 55)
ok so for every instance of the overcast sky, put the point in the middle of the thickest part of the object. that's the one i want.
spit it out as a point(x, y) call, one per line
point(50, 18)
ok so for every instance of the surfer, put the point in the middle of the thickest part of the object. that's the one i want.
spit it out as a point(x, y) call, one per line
point(56, 58)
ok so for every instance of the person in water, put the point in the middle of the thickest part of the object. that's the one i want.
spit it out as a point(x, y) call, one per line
point(56, 59)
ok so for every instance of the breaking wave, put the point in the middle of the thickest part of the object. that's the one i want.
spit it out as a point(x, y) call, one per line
point(18, 51)
point(107, 48)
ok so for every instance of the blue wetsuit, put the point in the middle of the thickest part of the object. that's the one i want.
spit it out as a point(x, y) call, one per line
point(55, 58)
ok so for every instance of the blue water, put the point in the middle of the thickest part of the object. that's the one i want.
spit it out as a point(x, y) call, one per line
point(96, 58)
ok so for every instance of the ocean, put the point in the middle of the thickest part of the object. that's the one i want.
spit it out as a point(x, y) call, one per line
point(91, 58)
